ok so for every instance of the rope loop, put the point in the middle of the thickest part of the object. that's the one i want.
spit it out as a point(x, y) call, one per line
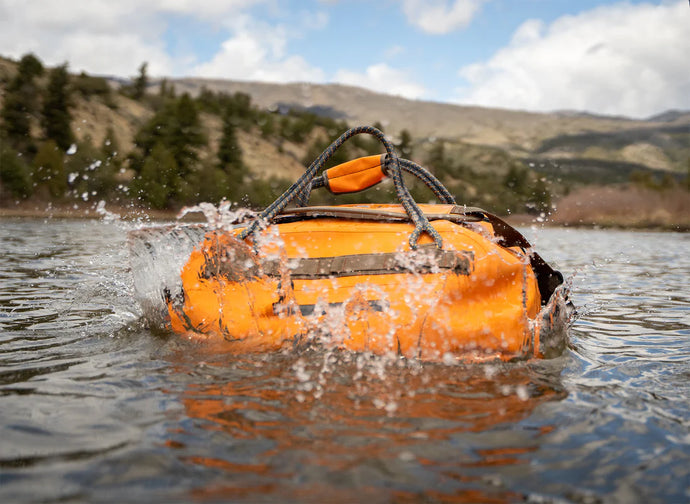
point(300, 190)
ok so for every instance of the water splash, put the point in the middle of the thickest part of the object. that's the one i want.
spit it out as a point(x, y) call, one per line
point(221, 217)
point(159, 253)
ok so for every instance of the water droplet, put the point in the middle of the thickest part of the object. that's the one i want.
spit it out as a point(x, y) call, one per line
point(72, 150)
point(522, 392)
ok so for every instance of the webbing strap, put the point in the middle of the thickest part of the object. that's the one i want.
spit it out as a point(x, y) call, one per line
point(431, 260)
point(436, 260)
point(548, 278)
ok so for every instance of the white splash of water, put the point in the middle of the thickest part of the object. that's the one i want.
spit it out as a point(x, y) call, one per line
point(221, 216)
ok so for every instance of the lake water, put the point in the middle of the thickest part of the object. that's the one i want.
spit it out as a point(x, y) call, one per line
point(96, 407)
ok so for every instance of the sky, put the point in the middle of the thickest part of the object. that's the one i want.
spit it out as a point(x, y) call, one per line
point(628, 58)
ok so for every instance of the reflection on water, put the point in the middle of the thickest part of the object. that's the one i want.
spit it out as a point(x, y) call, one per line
point(94, 407)
point(322, 421)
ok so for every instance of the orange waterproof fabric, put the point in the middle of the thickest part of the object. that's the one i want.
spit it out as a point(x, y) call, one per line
point(485, 312)
point(355, 175)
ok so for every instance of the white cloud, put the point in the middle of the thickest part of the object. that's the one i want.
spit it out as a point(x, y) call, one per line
point(115, 37)
point(394, 51)
point(256, 51)
point(104, 36)
point(618, 59)
point(384, 79)
point(206, 9)
point(438, 17)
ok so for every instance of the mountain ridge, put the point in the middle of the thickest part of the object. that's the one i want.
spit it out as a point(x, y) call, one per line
point(368, 106)
point(521, 133)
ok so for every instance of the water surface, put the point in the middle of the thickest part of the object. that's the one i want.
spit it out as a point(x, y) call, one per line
point(96, 407)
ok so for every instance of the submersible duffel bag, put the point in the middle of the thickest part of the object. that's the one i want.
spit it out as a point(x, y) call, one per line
point(423, 281)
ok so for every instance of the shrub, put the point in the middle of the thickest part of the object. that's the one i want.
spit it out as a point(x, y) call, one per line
point(49, 169)
point(159, 182)
point(88, 86)
point(15, 174)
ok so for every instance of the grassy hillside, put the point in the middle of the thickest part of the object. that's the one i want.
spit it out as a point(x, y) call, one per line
point(167, 144)
point(663, 142)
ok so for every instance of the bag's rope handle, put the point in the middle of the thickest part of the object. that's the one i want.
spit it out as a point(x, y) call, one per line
point(365, 172)
point(302, 187)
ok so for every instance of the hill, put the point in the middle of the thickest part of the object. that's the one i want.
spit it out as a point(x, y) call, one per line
point(662, 142)
point(504, 160)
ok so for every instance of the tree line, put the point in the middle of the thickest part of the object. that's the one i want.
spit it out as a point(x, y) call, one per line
point(172, 165)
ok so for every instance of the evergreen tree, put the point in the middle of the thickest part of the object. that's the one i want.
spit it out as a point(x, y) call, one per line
point(159, 182)
point(230, 159)
point(404, 146)
point(186, 133)
point(177, 127)
point(30, 66)
point(91, 172)
point(140, 83)
point(214, 184)
point(15, 174)
point(540, 199)
point(88, 86)
point(229, 152)
point(241, 105)
point(110, 147)
point(516, 179)
point(56, 115)
point(267, 124)
point(437, 160)
point(49, 169)
point(21, 102)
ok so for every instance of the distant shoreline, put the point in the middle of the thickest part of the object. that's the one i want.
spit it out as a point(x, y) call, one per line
point(76, 211)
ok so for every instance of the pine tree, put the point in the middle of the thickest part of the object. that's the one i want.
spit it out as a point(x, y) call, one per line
point(140, 83)
point(437, 160)
point(49, 169)
point(186, 133)
point(214, 184)
point(540, 199)
point(230, 158)
point(404, 146)
point(229, 151)
point(177, 127)
point(516, 179)
point(21, 102)
point(159, 182)
point(15, 174)
point(56, 115)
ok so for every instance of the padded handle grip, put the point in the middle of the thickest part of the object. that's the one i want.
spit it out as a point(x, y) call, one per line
point(355, 175)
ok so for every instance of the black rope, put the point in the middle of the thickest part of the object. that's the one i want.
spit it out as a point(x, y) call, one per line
point(434, 184)
point(429, 180)
point(301, 188)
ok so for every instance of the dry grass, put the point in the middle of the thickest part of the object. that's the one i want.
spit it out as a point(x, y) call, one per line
point(625, 207)
point(515, 130)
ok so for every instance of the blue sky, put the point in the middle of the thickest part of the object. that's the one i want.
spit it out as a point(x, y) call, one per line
point(602, 56)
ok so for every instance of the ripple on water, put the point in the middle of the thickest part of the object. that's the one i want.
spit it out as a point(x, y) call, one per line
point(93, 405)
